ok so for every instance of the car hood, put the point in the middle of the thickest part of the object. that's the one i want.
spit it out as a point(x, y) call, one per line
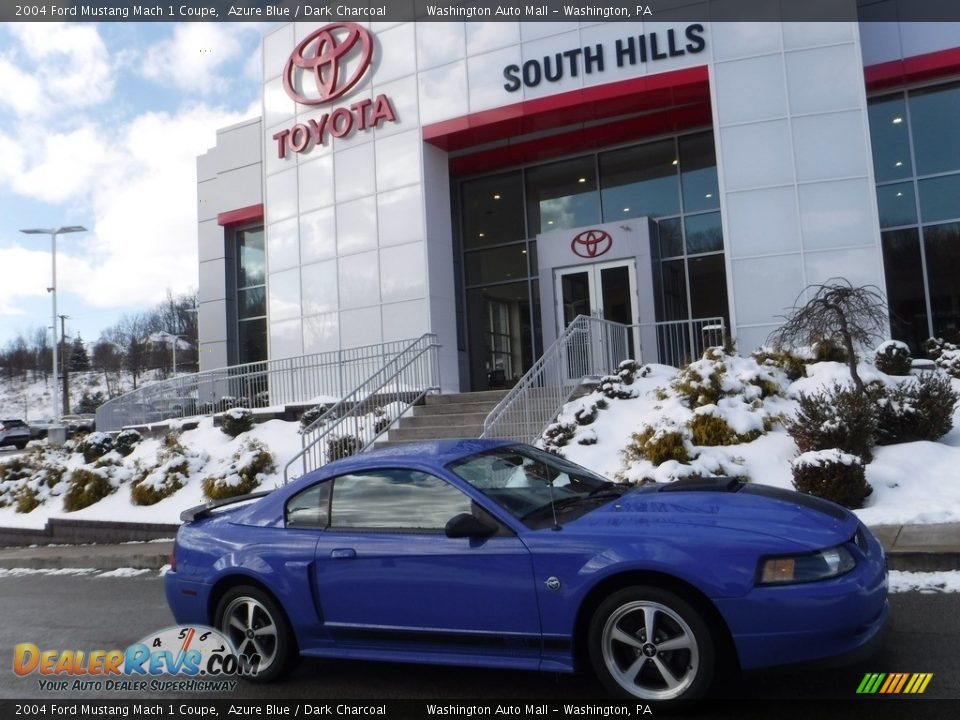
point(803, 520)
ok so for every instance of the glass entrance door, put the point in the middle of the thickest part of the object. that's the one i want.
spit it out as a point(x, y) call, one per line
point(604, 290)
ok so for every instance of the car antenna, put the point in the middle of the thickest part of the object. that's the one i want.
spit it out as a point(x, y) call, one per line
point(553, 507)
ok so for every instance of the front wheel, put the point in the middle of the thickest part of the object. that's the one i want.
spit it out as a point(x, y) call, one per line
point(648, 643)
point(256, 625)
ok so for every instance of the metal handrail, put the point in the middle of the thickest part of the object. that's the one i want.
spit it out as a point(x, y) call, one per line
point(591, 347)
point(355, 422)
point(588, 347)
point(679, 342)
point(303, 379)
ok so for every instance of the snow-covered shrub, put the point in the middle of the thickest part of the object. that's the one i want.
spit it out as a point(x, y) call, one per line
point(13, 476)
point(85, 487)
point(893, 358)
point(919, 408)
point(835, 417)
point(790, 363)
point(236, 421)
point(557, 435)
point(587, 415)
point(310, 416)
point(613, 387)
point(833, 475)
point(27, 500)
point(628, 370)
point(829, 350)
point(126, 441)
point(709, 427)
point(245, 471)
point(95, 445)
point(945, 355)
point(161, 483)
point(720, 374)
point(587, 437)
point(227, 402)
point(342, 446)
point(658, 445)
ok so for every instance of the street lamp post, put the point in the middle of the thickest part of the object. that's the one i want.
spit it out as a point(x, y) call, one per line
point(53, 290)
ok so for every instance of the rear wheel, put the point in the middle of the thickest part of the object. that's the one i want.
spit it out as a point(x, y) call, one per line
point(649, 643)
point(256, 625)
point(20, 445)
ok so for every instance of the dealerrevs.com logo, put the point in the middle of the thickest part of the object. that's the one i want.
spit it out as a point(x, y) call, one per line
point(200, 658)
point(326, 56)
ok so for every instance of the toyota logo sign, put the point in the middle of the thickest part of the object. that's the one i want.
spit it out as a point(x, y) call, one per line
point(591, 243)
point(324, 54)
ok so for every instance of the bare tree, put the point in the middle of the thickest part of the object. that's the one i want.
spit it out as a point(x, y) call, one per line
point(836, 311)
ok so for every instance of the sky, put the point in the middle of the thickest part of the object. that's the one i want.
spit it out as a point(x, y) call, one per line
point(100, 126)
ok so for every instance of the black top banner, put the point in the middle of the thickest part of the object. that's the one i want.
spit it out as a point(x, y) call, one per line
point(481, 11)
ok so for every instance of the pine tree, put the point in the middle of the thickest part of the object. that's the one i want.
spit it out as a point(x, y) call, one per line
point(79, 360)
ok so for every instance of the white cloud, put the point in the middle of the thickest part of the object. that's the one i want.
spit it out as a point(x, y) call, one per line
point(192, 59)
point(70, 68)
point(133, 183)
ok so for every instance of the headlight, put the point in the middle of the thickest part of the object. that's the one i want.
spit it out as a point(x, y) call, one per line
point(806, 568)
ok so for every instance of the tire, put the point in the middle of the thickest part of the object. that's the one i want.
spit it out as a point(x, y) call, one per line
point(678, 665)
point(21, 445)
point(258, 612)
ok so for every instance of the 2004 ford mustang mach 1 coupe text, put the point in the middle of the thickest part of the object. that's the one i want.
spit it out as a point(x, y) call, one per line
point(493, 554)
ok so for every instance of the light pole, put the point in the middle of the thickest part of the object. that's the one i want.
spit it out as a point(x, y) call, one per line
point(63, 230)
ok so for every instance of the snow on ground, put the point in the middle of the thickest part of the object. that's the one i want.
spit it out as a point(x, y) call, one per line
point(123, 572)
point(924, 582)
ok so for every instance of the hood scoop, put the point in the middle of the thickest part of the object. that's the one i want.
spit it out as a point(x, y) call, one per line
point(710, 484)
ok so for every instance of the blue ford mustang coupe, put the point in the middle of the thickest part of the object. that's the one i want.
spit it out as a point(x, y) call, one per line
point(495, 554)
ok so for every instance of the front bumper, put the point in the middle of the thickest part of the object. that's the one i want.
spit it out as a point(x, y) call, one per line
point(834, 621)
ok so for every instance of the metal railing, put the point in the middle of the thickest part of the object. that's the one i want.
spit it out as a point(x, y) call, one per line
point(353, 424)
point(316, 378)
point(587, 348)
point(678, 342)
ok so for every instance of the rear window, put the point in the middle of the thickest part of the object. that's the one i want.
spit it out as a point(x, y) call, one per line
point(13, 423)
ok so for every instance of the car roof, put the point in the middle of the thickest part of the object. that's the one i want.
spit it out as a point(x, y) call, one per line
point(433, 452)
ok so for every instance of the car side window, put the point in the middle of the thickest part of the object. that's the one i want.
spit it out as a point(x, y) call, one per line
point(395, 499)
point(310, 508)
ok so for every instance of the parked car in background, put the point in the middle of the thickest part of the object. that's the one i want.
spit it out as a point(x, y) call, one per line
point(496, 554)
point(79, 423)
point(15, 433)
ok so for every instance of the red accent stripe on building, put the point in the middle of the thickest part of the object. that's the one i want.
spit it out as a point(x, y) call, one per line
point(912, 69)
point(659, 92)
point(582, 140)
point(241, 216)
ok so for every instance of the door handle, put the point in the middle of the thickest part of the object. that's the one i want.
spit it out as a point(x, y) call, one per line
point(342, 553)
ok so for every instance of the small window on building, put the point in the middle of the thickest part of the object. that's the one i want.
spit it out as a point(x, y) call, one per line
point(251, 306)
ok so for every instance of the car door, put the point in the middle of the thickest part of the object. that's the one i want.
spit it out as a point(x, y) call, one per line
point(388, 576)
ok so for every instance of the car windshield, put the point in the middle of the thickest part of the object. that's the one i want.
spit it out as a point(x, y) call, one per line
point(532, 484)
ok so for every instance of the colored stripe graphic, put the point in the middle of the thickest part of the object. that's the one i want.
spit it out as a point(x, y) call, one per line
point(894, 683)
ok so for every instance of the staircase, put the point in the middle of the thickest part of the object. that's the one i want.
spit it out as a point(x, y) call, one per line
point(459, 415)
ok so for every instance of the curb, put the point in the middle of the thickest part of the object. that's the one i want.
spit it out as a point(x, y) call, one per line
point(139, 556)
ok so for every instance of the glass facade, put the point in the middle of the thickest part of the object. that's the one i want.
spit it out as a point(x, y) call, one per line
point(673, 180)
point(916, 156)
point(251, 296)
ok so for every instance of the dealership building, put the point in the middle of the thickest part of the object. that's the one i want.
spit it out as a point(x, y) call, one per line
point(489, 181)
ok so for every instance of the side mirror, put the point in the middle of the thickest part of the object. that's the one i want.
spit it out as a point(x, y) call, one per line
point(466, 525)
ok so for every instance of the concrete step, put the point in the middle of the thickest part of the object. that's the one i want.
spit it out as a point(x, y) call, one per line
point(453, 409)
point(444, 420)
point(434, 433)
point(493, 396)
